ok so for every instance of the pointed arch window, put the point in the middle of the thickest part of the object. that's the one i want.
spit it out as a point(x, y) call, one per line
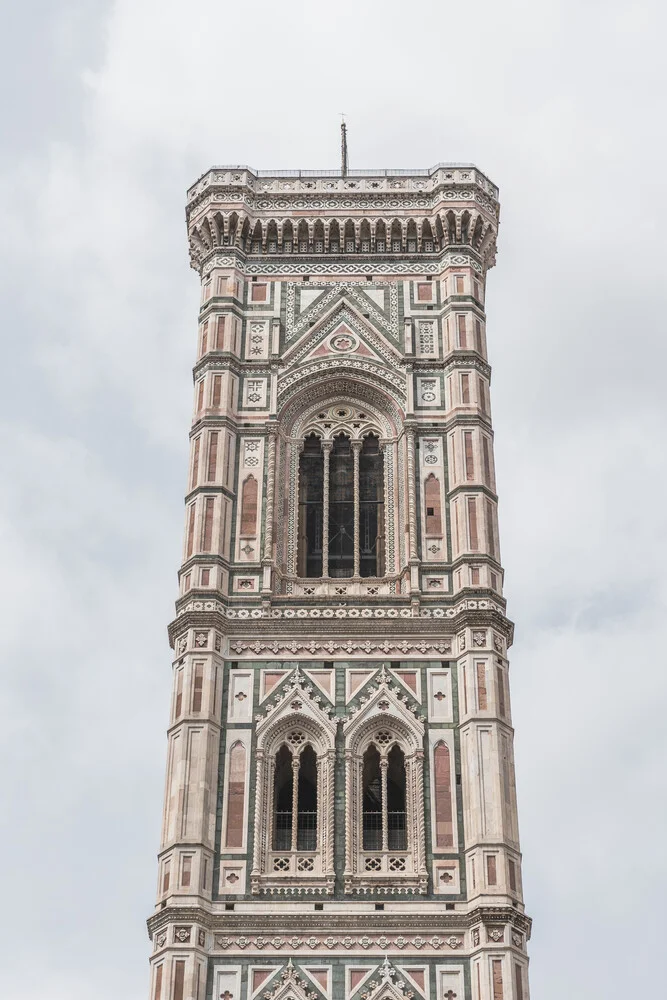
point(295, 800)
point(384, 826)
point(341, 508)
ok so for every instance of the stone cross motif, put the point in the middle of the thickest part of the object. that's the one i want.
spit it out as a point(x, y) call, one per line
point(226, 995)
point(449, 995)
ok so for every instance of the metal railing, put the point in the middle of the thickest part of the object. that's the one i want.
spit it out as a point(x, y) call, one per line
point(306, 830)
point(396, 831)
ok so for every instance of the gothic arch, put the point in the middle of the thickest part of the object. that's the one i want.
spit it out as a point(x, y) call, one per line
point(384, 722)
point(298, 721)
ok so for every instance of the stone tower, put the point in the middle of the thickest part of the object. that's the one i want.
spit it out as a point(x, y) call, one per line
point(340, 818)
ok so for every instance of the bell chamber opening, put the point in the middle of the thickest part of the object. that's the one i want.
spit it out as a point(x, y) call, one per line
point(341, 508)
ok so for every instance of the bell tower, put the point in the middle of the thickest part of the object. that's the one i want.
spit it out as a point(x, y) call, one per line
point(340, 818)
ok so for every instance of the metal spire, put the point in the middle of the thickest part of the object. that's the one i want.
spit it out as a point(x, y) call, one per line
point(343, 147)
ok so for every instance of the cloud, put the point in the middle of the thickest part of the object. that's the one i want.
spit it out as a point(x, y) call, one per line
point(128, 103)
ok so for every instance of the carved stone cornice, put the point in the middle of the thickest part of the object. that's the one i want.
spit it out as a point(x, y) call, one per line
point(343, 265)
point(338, 924)
point(347, 626)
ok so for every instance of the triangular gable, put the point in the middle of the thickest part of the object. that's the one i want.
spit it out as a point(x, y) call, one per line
point(297, 701)
point(389, 984)
point(291, 983)
point(377, 304)
point(342, 341)
point(382, 697)
point(346, 313)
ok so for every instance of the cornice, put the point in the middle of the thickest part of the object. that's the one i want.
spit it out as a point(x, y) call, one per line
point(340, 264)
point(263, 923)
point(353, 626)
point(328, 189)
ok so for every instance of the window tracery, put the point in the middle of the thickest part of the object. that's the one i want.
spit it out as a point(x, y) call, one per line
point(384, 841)
point(341, 496)
point(294, 799)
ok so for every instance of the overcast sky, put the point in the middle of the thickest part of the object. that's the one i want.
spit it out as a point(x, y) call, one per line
point(110, 111)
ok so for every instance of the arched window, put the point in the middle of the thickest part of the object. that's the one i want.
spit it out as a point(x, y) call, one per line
point(371, 804)
point(272, 237)
point(350, 237)
point(380, 236)
point(397, 839)
point(311, 470)
point(384, 781)
point(306, 827)
point(288, 236)
point(341, 508)
point(334, 237)
point(384, 819)
point(249, 506)
point(283, 796)
point(396, 236)
point(371, 508)
point(295, 802)
point(365, 236)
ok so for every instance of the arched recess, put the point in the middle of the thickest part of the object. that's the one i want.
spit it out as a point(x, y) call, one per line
point(272, 237)
point(318, 236)
point(396, 236)
point(288, 236)
point(432, 506)
point(249, 492)
point(294, 793)
point(334, 236)
point(427, 237)
point(371, 418)
point(235, 805)
point(380, 236)
point(442, 787)
point(384, 835)
point(303, 236)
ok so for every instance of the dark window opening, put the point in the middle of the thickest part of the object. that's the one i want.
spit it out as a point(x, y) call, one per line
point(371, 508)
point(397, 831)
point(372, 801)
point(341, 509)
point(306, 802)
point(282, 798)
point(311, 473)
point(306, 832)
point(374, 834)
